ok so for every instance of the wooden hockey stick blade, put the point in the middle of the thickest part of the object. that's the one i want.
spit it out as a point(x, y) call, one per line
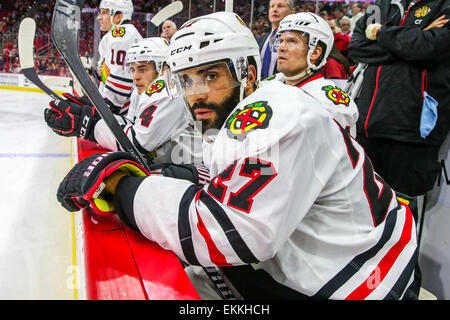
point(27, 30)
point(57, 81)
point(65, 28)
point(164, 14)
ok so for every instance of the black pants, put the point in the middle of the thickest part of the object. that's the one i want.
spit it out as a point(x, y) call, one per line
point(409, 168)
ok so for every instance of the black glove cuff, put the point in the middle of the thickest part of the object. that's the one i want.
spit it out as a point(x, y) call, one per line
point(88, 120)
point(124, 199)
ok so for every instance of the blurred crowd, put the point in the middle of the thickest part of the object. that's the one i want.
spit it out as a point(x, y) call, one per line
point(341, 16)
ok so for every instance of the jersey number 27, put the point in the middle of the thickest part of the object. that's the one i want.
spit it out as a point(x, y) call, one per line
point(259, 172)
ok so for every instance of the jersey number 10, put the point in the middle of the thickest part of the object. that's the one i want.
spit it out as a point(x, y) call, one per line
point(119, 58)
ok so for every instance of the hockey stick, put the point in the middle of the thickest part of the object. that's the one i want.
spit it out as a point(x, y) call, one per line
point(27, 30)
point(170, 10)
point(65, 27)
point(164, 14)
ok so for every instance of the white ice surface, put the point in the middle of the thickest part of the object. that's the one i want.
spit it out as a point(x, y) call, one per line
point(36, 258)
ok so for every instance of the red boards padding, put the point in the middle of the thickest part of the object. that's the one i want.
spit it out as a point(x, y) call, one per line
point(121, 264)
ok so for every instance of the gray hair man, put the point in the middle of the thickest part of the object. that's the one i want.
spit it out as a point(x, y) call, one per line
point(168, 29)
point(278, 9)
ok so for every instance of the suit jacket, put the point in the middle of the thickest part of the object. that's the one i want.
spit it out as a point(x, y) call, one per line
point(261, 40)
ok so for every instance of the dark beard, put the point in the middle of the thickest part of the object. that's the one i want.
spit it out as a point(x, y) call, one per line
point(222, 110)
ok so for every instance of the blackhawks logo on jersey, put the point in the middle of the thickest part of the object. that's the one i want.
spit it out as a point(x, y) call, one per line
point(337, 95)
point(253, 116)
point(156, 86)
point(118, 32)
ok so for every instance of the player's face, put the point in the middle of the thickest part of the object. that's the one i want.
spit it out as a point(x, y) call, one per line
point(144, 73)
point(292, 53)
point(211, 92)
point(105, 20)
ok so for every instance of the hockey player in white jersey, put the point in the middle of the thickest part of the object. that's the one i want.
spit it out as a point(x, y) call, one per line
point(116, 82)
point(294, 208)
point(305, 43)
point(155, 123)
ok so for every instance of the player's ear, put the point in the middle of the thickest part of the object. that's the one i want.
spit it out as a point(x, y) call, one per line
point(163, 69)
point(316, 54)
point(118, 18)
point(251, 79)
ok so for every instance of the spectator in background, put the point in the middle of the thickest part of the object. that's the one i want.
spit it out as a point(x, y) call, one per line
point(324, 15)
point(405, 87)
point(278, 9)
point(341, 40)
point(345, 26)
point(356, 9)
point(337, 66)
point(2, 63)
point(168, 29)
point(339, 12)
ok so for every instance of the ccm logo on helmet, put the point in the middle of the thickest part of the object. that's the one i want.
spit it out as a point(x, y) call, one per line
point(180, 49)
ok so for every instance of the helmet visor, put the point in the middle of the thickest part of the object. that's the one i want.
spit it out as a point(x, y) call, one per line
point(210, 79)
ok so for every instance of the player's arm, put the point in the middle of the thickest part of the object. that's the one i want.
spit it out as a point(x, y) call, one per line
point(362, 49)
point(416, 44)
point(236, 219)
point(157, 118)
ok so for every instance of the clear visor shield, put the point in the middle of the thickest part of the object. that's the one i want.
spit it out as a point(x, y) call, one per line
point(212, 79)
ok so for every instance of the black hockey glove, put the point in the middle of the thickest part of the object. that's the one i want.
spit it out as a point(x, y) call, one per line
point(197, 174)
point(71, 119)
point(83, 184)
point(84, 101)
point(78, 100)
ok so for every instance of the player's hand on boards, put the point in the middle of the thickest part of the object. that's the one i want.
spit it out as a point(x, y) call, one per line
point(94, 179)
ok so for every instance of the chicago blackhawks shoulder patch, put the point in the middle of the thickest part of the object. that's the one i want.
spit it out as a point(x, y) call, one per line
point(337, 95)
point(156, 86)
point(251, 117)
point(118, 32)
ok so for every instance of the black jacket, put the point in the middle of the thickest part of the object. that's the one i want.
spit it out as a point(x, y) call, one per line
point(403, 62)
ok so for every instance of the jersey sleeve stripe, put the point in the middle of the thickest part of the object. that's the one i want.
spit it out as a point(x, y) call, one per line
point(233, 236)
point(184, 228)
point(136, 143)
point(118, 85)
point(117, 92)
point(214, 253)
point(358, 261)
point(399, 287)
point(388, 260)
point(120, 78)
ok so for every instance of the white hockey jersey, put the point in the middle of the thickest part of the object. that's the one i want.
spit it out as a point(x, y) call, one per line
point(291, 193)
point(336, 101)
point(117, 82)
point(158, 128)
